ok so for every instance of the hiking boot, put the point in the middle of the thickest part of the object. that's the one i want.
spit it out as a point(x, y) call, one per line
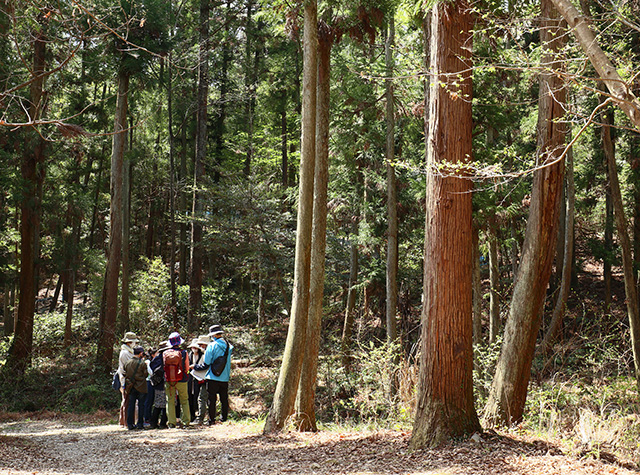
point(171, 426)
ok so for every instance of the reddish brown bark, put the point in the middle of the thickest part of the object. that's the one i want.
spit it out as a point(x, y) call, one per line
point(445, 406)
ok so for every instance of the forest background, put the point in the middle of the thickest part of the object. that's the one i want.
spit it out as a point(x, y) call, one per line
point(152, 158)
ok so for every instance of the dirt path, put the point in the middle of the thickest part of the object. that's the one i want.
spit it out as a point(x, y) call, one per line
point(63, 447)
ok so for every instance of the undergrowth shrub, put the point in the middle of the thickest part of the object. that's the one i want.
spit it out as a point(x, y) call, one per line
point(379, 388)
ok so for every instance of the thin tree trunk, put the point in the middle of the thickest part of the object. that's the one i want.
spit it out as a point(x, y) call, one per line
point(619, 89)
point(494, 279)
point(32, 170)
point(508, 392)
point(182, 201)
point(349, 313)
point(625, 246)
point(445, 407)
point(305, 402)
point(195, 277)
point(56, 295)
point(172, 192)
point(608, 245)
point(392, 194)
point(477, 289)
point(109, 306)
point(126, 220)
point(289, 377)
point(283, 148)
point(567, 261)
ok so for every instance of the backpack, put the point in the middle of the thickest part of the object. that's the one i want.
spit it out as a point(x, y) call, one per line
point(157, 378)
point(174, 368)
point(218, 365)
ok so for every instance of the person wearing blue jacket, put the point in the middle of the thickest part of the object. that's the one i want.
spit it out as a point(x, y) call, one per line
point(218, 385)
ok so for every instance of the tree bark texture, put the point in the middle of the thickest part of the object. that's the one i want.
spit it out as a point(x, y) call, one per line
point(305, 402)
point(619, 89)
point(445, 406)
point(509, 388)
point(109, 306)
point(494, 279)
point(392, 193)
point(630, 288)
point(195, 271)
point(477, 289)
point(32, 171)
point(289, 377)
point(567, 260)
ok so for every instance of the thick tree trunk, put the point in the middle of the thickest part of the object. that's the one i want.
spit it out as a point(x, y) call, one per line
point(509, 388)
point(195, 273)
point(32, 170)
point(289, 377)
point(392, 194)
point(109, 306)
point(445, 407)
point(305, 402)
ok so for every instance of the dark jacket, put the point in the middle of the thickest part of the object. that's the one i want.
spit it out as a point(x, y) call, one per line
point(135, 374)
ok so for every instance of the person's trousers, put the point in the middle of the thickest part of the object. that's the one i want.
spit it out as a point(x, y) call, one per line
point(136, 396)
point(183, 394)
point(215, 388)
point(203, 398)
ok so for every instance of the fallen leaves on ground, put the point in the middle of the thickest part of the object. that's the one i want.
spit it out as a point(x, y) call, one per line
point(62, 447)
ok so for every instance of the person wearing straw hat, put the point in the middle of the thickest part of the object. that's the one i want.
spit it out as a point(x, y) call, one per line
point(126, 353)
point(218, 384)
point(196, 356)
point(203, 395)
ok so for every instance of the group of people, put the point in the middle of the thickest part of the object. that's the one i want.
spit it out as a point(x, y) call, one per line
point(171, 386)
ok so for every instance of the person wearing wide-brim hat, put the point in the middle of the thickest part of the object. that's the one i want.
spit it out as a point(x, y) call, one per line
point(218, 384)
point(203, 396)
point(126, 353)
point(196, 355)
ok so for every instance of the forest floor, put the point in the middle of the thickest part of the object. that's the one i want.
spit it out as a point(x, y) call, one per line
point(48, 444)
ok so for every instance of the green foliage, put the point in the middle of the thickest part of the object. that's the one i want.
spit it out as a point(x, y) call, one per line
point(365, 392)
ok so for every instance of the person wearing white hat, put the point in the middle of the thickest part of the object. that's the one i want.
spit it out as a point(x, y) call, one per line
point(126, 353)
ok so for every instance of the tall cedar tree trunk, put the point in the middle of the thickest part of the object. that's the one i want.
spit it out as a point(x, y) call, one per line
point(581, 28)
point(630, 288)
point(250, 81)
point(283, 147)
point(494, 279)
point(221, 113)
point(289, 377)
point(109, 305)
point(305, 402)
point(445, 407)
point(182, 202)
point(567, 260)
point(126, 221)
point(172, 193)
point(32, 170)
point(392, 193)
point(195, 274)
point(509, 388)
